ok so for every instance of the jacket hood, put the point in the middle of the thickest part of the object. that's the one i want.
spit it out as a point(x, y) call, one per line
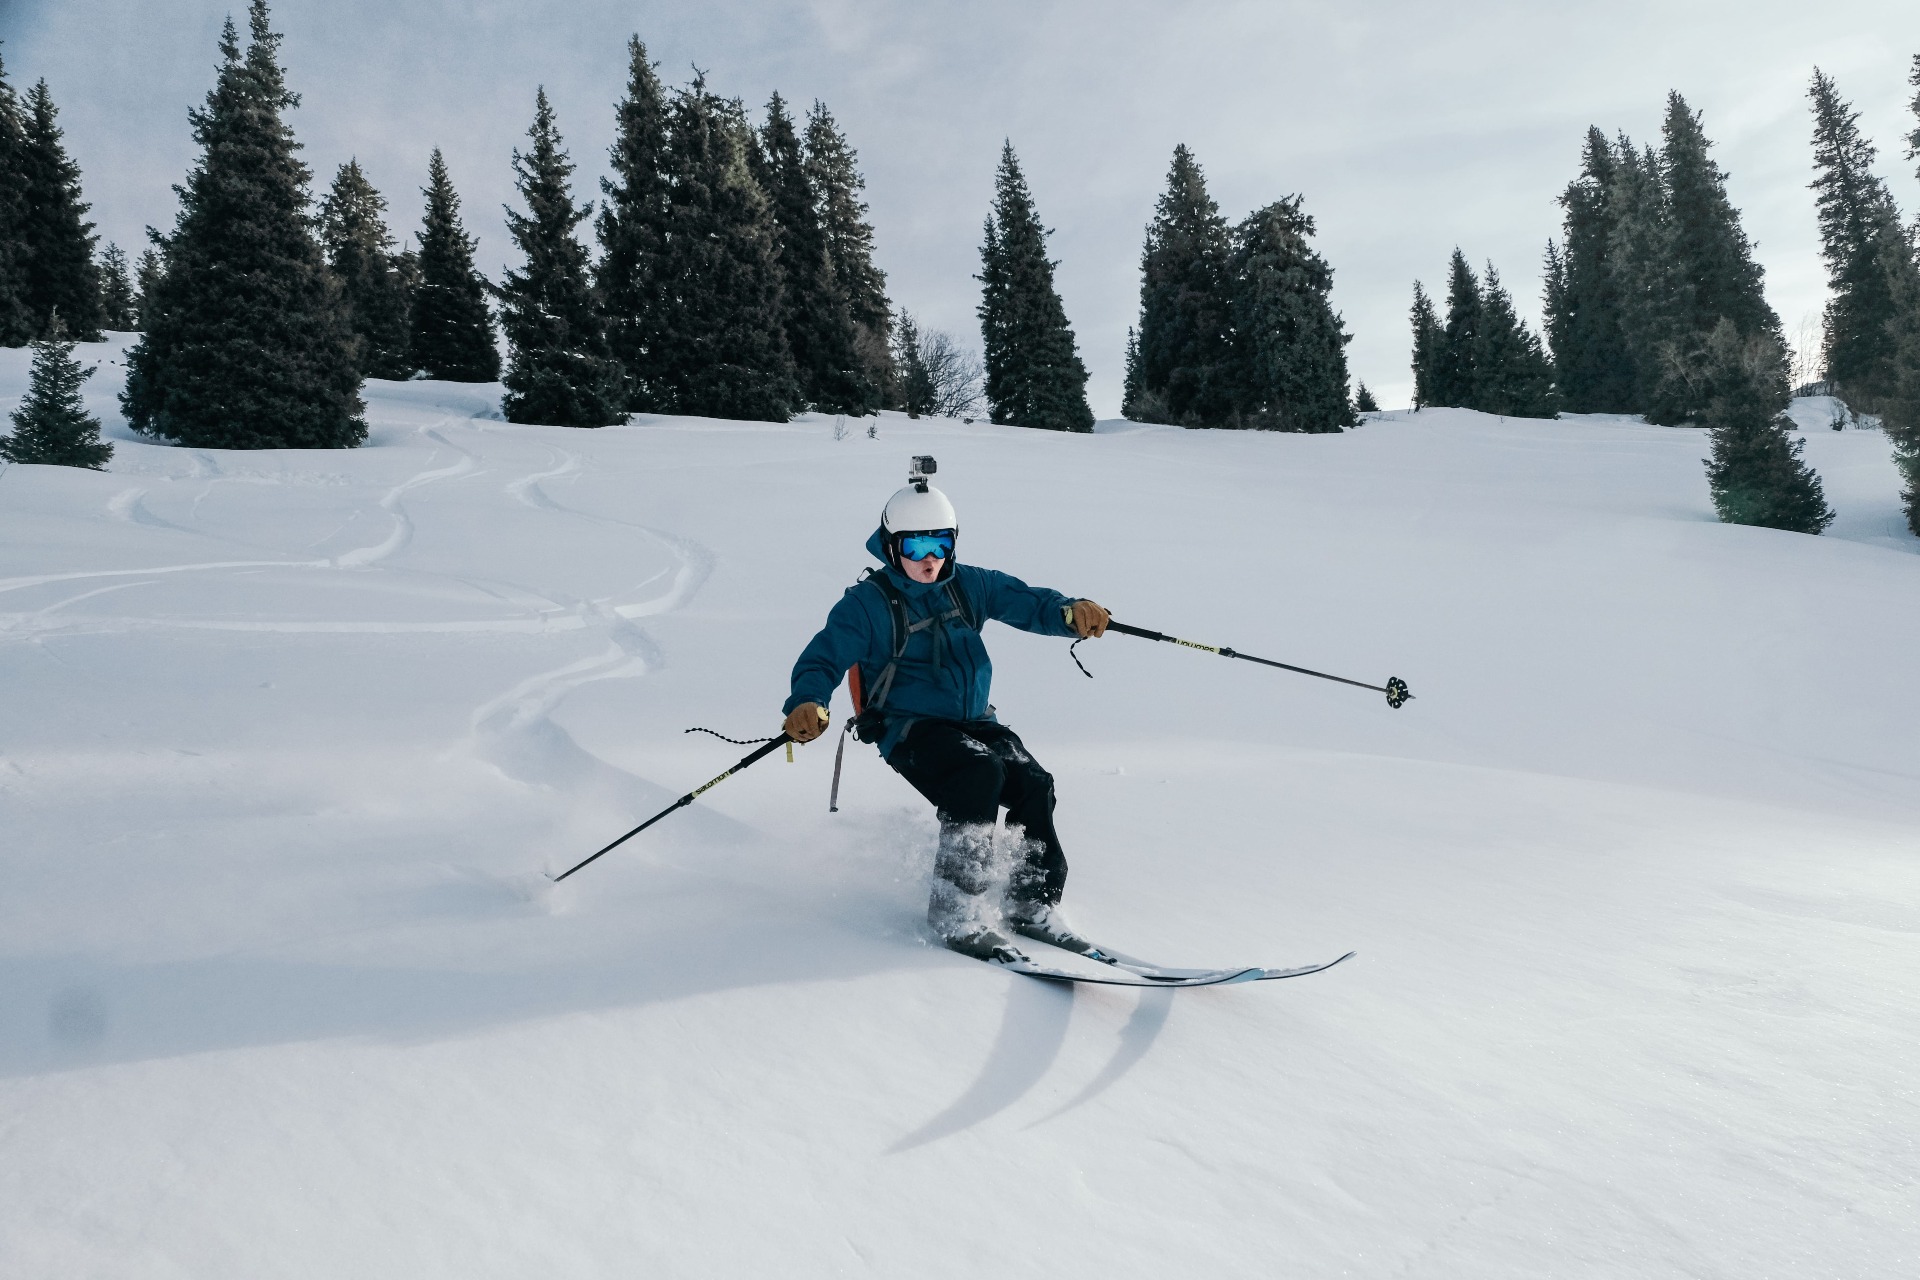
point(877, 548)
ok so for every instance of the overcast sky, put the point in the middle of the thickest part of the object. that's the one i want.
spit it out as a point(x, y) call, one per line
point(1409, 127)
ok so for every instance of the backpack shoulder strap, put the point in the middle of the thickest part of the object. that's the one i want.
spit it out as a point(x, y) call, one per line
point(897, 614)
point(958, 598)
point(896, 607)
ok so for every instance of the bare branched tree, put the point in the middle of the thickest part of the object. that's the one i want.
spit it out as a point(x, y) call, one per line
point(1809, 338)
point(935, 376)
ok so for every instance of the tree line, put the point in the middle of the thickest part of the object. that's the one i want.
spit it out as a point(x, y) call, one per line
point(1655, 306)
point(731, 273)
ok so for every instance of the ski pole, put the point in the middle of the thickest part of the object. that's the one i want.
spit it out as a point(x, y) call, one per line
point(772, 745)
point(1395, 688)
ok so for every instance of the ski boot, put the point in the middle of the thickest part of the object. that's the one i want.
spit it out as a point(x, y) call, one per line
point(1043, 922)
point(985, 944)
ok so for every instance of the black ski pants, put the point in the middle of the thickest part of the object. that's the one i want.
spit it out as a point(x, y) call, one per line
point(970, 770)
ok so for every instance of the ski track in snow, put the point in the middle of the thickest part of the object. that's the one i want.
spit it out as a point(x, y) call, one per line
point(514, 730)
point(391, 504)
point(551, 614)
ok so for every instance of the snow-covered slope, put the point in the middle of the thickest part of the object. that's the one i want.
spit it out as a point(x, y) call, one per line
point(287, 739)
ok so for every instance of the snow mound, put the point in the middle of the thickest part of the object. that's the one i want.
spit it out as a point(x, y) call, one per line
point(290, 736)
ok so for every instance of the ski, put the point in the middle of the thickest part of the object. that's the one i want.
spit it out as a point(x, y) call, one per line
point(1200, 978)
point(1145, 968)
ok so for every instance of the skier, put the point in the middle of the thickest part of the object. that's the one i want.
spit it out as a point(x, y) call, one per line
point(908, 636)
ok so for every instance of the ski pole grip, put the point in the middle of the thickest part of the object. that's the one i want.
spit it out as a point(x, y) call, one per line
point(1141, 632)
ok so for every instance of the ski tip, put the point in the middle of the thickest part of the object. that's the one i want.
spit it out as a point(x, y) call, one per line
point(1263, 975)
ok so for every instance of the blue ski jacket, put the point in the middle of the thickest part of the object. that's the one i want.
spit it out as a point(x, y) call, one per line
point(947, 676)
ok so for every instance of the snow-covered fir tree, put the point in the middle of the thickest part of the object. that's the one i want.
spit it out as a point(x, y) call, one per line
point(119, 305)
point(632, 230)
point(1900, 406)
point(723, 351)
point(52, 229)
point(1131, 386)
point(1457, 341)
point(1034, 376)
point(1511, 373)
point(16, 321)
point(1712, 255)
point(1185, 355)
point(146, 282)
point(1289, 345)
point(450, 329)
point(1756, 475)
point(372, 277)
point(1592, 360)
point(912, 379)
point(1363, 399)
point(1650, 296)
point(245, 345)
point(814, 310)
point(51, 424)
point(833, 173)
point(559, 371)
point(1426, 345)
point(1857, 219)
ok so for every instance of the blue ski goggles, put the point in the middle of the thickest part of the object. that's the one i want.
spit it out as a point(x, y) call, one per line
point(918, 546)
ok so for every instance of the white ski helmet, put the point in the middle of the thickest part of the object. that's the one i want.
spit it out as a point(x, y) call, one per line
point(919, 508)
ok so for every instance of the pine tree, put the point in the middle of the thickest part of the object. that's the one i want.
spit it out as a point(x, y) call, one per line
point(1457, 342)
point(52, 425)
point(723, 350)
point(1289, 348)
point(1857, 214)
point(1034, 374)
point(912, 377)
point(451, 328)
point(52, 228)
point(1653, 296)
point(1756, 474)
point(147, 275)
point(1511, 373)
point(559, 372)
point(1186, 360)
point(119, 308)
point(1711, 250)
point(1583, 321)
point(246, 345)
point(833, 173)
point(819, 326)
point(1427, 338)
point(632, 229)
point(1900, 408)
point(373, 285)
point(1363, 401)
point(1131, 388)
point(1696, 268)
point(1913, 138)
point(16, 320)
